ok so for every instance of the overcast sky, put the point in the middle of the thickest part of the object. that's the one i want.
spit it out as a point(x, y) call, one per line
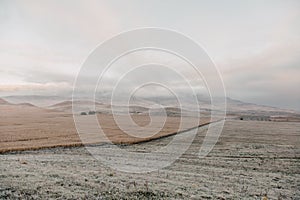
point(255, 44)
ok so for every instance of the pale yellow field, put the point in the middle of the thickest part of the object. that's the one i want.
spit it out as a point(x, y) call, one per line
point(25, 127)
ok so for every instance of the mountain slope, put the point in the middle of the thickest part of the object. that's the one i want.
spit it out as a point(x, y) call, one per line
point(4, 102)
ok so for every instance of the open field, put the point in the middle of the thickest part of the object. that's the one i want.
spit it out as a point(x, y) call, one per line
point(179, 100)
point(251, 160)
point(29, 127)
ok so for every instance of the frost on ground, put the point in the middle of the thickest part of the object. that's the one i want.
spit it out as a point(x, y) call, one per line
point(251, 160)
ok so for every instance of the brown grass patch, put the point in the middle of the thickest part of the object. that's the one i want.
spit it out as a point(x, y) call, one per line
point(29, 128)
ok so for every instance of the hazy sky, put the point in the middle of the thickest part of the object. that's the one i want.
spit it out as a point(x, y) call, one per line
point(255, 44)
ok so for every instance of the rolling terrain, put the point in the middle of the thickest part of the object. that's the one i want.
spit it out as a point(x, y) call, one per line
point(42, 157)
point(24, 126)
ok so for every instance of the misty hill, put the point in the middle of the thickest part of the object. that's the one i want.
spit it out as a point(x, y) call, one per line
point(79, 105)
point(37, 100)
point(234, 105)
point(142, 105)
point(3, 102)
point(85, 106)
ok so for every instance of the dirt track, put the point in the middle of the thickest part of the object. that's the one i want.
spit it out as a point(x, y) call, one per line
point(251, 159)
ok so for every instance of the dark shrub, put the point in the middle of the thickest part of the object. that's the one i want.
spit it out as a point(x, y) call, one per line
point(92, 112)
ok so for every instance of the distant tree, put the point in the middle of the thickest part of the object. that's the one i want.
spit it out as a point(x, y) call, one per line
point(92, 112)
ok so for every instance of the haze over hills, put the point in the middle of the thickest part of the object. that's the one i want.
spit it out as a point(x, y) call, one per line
point(37, 100)
point(26, 113)
point(142, 105)
point(4, 102)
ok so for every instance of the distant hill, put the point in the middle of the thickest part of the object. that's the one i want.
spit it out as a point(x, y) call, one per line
point(141, 105)
point(4, 102)
point(236, 105)
point(37, 100)
point(81, 105)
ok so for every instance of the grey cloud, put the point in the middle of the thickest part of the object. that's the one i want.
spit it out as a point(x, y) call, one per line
point(255, 45)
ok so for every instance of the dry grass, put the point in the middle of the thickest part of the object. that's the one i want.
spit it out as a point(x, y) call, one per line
point(26, 127)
